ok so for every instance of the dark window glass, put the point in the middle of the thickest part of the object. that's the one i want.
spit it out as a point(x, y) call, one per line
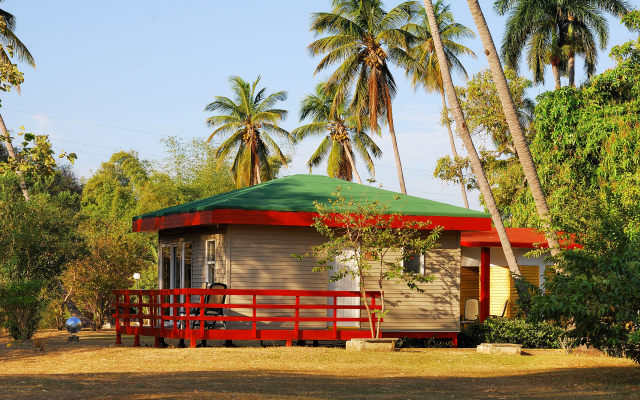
point(177, 270)
point(413, 263)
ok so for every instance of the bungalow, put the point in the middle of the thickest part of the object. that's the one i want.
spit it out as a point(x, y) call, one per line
point(245, 239)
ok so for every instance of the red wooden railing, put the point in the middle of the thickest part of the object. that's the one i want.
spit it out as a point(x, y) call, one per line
point(151, 317)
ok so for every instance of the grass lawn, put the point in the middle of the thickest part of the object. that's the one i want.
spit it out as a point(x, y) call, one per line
point(95, 368)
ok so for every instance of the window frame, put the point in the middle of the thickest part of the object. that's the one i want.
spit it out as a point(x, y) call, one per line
point(210, 264)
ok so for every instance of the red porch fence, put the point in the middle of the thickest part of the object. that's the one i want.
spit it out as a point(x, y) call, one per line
point(162, 314)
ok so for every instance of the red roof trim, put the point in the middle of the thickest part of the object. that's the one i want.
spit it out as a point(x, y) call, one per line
point(255, 217)
point(519, 237)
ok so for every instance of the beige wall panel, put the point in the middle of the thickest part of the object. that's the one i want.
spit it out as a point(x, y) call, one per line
point(261, 259)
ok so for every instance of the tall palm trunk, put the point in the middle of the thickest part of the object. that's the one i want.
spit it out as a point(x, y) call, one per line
point(347, 149)
point(519, 140)
point(483, 183)
point(12, 154)
point(454, 151)
point(255, 162)
point(556, 74)
point(572, 68)
point(394, 143)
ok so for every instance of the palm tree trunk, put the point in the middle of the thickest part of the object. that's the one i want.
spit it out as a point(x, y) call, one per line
point(454, 152)
point(483, 183)
point(394, 143)
point(347, 150)
point(519, 140)
point(12, 154)
point(572, 68)
point(556, 75)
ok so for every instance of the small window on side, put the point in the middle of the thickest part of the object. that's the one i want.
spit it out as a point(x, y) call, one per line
point(414, 263)
point(211, 260)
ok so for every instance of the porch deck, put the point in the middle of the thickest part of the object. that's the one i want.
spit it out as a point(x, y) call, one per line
point(162, 314)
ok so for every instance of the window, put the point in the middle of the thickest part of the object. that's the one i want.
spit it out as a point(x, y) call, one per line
point(211, 260)
point(415, 263)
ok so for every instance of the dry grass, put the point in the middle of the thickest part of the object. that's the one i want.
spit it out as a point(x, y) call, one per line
point(95, 368)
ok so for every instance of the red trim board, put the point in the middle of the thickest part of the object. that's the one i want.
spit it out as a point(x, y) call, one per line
point(256, 217)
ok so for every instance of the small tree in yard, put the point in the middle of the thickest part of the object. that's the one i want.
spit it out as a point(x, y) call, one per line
point(366, 238)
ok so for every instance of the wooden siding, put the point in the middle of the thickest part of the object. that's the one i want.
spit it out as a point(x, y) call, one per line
point(261, 259)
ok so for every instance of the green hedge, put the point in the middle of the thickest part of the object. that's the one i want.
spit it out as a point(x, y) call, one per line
point(21, 306)
point(501, 330)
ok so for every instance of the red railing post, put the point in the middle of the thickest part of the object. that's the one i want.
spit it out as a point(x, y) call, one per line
point(335, 317)
point(201, 313)
point(296, 323)
point(255, 328)
point(118, 334)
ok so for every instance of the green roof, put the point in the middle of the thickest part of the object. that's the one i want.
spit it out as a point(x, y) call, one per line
point(296, 193)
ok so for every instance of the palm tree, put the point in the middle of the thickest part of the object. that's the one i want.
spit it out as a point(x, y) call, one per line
point(248, 119)
point(423, 68)
point(554, 31)
point(483, 183)
point(345, 134)
point(511, 116)
point(364, 39)
point(12, 47)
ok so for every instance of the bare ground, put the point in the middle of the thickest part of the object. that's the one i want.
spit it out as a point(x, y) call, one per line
point(95, 368)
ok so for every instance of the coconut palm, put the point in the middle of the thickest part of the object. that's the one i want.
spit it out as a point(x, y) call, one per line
point(343, 131)
point(248, 119)
point(476, 164)
point(554, 31)
point(11, 47)
point(511, 116)
point(423, 68)
point(364, 40)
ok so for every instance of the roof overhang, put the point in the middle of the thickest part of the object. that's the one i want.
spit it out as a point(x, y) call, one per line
point(519, 237)
point(259, 217)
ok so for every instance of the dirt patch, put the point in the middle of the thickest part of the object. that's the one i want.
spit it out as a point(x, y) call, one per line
point(95, 368)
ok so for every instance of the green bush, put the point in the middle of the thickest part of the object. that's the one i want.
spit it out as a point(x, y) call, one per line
point(21, 306)
point(501, 330)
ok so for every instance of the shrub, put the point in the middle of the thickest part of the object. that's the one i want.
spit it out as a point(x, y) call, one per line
point(501, 330)
point(21, 305)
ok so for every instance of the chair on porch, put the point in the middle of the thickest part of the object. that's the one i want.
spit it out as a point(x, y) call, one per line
point(504, 310)
point(471, 311)
point(211, 312)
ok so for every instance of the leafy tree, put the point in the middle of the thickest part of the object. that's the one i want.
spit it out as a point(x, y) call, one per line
point(364, 39)
point(595, 290)
point(10, 76)
point(345, 134)
point(370, 241)
point(424, 69)
point(114, 256)
point(554, 31)
point(249, 119)
point(586, 137)
point(485, 120)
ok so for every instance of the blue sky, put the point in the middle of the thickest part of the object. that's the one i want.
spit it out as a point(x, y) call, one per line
point(149, 69)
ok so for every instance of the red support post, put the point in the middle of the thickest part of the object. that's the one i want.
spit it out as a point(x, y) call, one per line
point(485, 278)
point(296, 323)
point(335, 316)
point(255, 333)
point(118, 335)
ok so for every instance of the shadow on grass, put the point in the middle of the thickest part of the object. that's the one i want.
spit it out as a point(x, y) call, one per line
point(588, 383)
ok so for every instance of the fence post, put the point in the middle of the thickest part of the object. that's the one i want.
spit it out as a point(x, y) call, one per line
point(335, 317)
point(296, 323)
point(255, 332)
point(118, 335)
